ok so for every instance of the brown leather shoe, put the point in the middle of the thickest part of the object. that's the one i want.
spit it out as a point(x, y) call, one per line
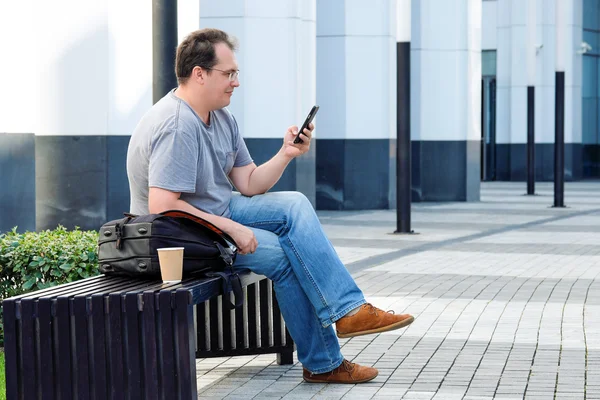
point(347, 372)
point(370, 319)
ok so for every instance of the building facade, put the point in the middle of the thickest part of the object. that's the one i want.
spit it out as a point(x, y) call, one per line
point(72, 93)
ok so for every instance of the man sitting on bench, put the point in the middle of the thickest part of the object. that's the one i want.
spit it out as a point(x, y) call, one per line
point(185, 154)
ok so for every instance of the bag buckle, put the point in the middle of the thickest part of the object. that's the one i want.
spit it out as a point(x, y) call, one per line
point(227, 254)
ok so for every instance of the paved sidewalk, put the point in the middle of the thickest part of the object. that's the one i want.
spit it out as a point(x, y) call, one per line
point(505, 293)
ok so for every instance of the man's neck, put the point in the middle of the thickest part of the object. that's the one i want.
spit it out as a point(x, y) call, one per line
point(202, 111)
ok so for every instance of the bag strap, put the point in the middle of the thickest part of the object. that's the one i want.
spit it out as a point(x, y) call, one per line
point(201, 221)
point(119, 226)
point(231, 283)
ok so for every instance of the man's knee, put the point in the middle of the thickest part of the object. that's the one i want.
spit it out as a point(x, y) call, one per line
point(271, 261)
point(296, 199)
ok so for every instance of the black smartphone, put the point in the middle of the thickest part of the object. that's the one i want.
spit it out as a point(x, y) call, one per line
point(307, 121)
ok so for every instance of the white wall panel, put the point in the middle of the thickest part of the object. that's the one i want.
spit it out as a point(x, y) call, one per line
point(356, 69)
point(367, 90)
point(503, 117)
point(72, 96)
point(489, 25)
point(18, 80)
point(447, 86)
point(129, 64)
point(369, 18)
point(518, 114)
point(277, 61)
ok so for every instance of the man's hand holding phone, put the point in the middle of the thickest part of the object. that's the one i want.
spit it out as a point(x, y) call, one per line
point(297, 141)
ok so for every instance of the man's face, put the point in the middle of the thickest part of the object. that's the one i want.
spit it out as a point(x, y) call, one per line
point(217, 84)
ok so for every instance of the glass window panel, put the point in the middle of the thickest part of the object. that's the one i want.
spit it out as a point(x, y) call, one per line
point(590, 14)
point(589, 120)
point(488, 63)
point(589, 82)
point(592, 38)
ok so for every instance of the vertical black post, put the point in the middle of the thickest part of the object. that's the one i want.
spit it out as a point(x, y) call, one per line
point(403, 170)
point(559, 140)
point(164, 44)
point(530, 140)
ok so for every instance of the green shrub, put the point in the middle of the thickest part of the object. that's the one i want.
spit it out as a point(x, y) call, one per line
point(37, 260)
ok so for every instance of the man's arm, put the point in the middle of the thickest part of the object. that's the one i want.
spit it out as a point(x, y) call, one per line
point(160, 200)
point(251, 180)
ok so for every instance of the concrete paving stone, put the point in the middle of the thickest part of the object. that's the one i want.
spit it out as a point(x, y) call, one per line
point(418, 395)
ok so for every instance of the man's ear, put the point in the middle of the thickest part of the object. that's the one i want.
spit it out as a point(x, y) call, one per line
point(199, 74)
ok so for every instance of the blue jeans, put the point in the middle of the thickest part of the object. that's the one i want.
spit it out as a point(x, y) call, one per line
point(313, 287)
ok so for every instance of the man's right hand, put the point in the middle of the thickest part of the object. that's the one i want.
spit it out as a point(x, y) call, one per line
point(244, 238)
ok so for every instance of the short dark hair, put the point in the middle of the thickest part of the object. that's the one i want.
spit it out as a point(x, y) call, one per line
point(198, 49)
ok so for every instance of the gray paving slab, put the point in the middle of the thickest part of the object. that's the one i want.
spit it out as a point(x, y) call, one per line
point(505, 291)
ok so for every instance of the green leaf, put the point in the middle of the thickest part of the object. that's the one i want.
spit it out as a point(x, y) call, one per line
point(65, 267)
point(29, 284)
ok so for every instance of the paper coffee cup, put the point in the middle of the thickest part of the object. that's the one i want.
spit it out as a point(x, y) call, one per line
point(170, 260)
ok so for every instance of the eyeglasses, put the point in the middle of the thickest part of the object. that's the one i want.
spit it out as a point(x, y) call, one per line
point(233, 75)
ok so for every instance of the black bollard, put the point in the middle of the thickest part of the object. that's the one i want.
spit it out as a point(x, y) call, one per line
point(559, 140)
point(403, 167)
point(164, 45)
point(530, 140)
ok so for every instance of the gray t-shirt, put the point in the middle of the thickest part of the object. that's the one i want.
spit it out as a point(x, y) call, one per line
point(173, 149)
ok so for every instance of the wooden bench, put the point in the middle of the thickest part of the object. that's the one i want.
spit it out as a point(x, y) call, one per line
point(113, 337)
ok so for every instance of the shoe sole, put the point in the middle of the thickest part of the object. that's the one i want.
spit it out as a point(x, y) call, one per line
point(397, 325)
point(342, 382)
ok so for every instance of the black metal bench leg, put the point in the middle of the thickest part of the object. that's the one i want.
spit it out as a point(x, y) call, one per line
point(286, 357)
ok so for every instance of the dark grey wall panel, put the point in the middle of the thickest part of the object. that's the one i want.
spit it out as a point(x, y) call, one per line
point(591, 161)
point(70, 181)
point(331, 156)
point(511, 162)
point(367, 169)
point(573, 161)
point(353, 174)
point(117, 195)
point(503, 162)
point(446, 170)
point(17, 182)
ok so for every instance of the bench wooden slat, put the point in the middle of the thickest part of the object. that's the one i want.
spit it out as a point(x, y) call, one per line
point(114, 349)
point(149, 352)
point(252, 326)
point(166, 345)
point(201, 324)
point(185, 355)
point(82, 382)
point(10, 348)
point(214, 326)
point(264, 316)
point(132, 346)
point(52, 289)
point(46, 336)
point(239, 324)
point(99, 362)
point(28, 365)
point(277, 339)
point(64, 377)
point(226, 318)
